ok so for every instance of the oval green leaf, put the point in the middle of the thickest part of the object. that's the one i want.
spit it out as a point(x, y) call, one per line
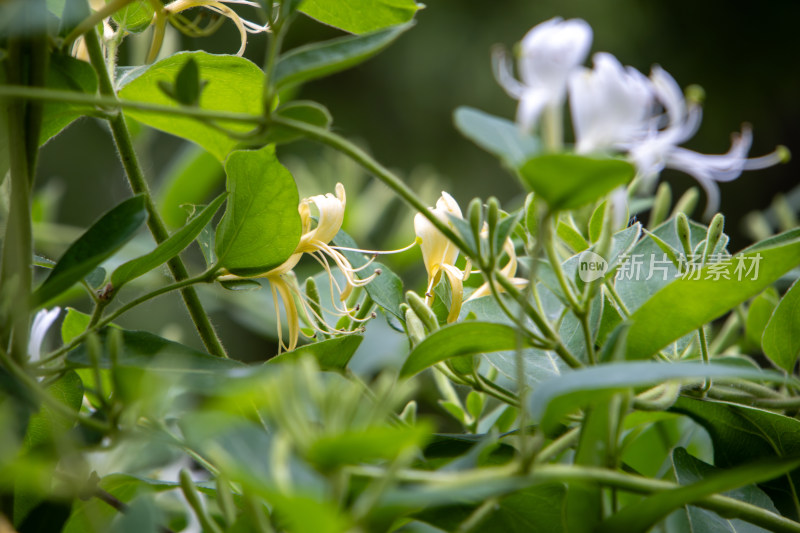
point(234, 85)
point(498, 136)
point(361, 16)
point(568, 181)
point(167, 249)
point(781, 339)
point(261, 227)
point(98, 243)
point(686, 304)
point(317, 60)
point(465, 338)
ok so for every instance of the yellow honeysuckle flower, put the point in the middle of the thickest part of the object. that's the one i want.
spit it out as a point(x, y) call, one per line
point(170, 11)
point(439, 254)
point(314, 241)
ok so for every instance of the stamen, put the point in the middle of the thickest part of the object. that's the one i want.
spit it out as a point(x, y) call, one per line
point(417, 241)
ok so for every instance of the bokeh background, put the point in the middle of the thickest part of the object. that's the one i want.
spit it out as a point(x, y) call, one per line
point(399, 106)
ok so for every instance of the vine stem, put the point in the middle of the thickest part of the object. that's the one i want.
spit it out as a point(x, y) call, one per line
point(133, 170)
point(560, 473)
point(382, 173)
point(205, 277)
point(110, 102)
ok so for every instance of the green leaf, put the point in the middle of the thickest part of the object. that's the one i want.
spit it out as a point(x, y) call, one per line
point(743, 434)
point(596, 222)
point(67, 74)
point(167, 249)
point(359, 446)
point(331, 354)
point(781, 340)
point(73, 325)
point(235, 85)
point(47, 423)
point(688, 470)
point(386, 290)
point(498, 136)
point(261, 227)
point(463, 338)
point(540, 508)
point(555, 398)
point(686, 304)
point(301, 111)
point(145, 350)
point(190, 179)
point(135, 17)
point(188, 85)
point(322, 59)
point(571, 237)
point(568, 181)
point(361, 16)
point(641, 516)
point(758, 314)
point(98, 243)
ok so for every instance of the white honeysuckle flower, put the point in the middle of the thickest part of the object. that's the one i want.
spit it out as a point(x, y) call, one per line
point(659, 149)
point(41, 323)
point(314, 241)
point(439, 254)
point(610, 104)
point(549, 53)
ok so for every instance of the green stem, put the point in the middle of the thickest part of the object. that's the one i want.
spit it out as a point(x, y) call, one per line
point(587, 337)
point(559, 445)
point(94, 19)
point(108, 102)
point(540, 322)
point(382, 173)
point(701, 333)
point(133, 170)
point(205, 277)
point(559, 473)
point(555, 262)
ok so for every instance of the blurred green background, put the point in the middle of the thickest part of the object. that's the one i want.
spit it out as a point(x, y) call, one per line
point(399, 105)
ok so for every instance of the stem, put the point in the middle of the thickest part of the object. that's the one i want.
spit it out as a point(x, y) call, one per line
point(382, 173)
point(95, 18)
point(555, 262)
point(559, 445)
point(133, 170)
point(701, 333)
point(587, 337)
point(205, 277)
point(110, 102)
point(553, 128)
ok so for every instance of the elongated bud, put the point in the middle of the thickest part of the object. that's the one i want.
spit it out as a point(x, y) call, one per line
point(409, 413)
point(225, 501)
point(474, 216)
point(416, 331)
point(687, 202)
point(531, 216)
point(193, 497)
point(713, 235)
point(492, 213)
point(684, 234)
point(422, 311)
point(661, 205)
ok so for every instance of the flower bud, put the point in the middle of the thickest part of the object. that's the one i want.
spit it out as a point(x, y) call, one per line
point(661, 205)
point(684, 234)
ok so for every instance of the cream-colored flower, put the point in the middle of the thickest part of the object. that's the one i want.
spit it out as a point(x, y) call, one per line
point(439, 254)
point(314, 241)
point(171, 11)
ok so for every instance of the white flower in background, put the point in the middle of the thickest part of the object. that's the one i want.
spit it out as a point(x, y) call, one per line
point(659, 149)
point(610, 104)
point(549, 53)
point(41, 323)
point(439, 254)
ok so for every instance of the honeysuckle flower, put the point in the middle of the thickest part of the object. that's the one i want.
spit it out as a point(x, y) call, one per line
point(41, 324)
point(549, 53)
point(314, 241)
point(659, 149)
point(439, 254)
point(170, 11)
point(610, 104)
